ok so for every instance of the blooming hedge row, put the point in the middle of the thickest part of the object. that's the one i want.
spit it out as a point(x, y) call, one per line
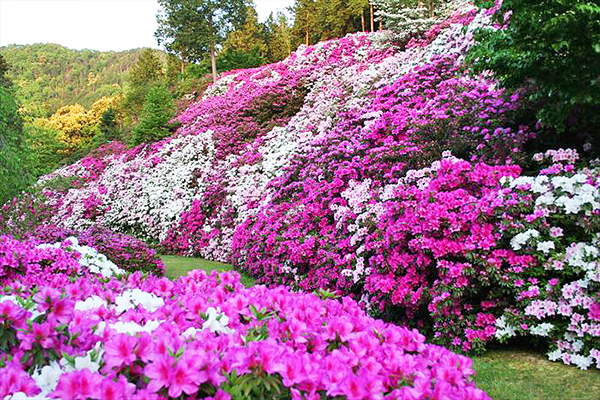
point(444, 249)
point(204, 337)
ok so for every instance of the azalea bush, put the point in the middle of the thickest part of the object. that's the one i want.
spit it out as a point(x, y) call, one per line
point(208, 337)
point(31, 263)
point(559, 299)
point(129, 253)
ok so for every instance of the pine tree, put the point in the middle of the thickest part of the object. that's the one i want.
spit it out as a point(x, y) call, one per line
point(146, 73)
point(279, 37)
point(148, 68)
point(158, 110)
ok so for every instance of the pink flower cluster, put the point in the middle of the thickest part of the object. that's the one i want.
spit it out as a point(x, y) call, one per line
point(25, 262)
point(209, 337)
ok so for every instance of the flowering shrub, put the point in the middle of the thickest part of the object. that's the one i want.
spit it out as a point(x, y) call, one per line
point(414, 250)
point(560, 298)
point(50, 264)
point(209, 337)
point(129, 253)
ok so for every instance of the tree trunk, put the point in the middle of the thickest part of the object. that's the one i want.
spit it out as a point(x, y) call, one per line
point(362, 20)
point(213, 61)
point(381, 25)
point(182, 61)
point(372, 19)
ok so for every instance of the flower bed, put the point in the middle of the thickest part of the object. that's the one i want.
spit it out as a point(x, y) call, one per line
point(209, 337)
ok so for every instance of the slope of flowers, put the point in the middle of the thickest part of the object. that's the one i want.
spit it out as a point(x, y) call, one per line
point(209, 177)
point(205, 337)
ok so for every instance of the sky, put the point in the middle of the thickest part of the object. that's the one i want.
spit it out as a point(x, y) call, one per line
point(92, 24)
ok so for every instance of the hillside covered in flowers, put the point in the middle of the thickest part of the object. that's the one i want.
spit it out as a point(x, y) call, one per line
point(375, 167)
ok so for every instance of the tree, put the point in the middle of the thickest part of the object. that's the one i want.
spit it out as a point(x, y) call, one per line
point(109, 126)
point(194, 28)
point(408, 16)
point(279, 37)
point(552, 47)
point(359, 7)
point(158, 110)
point(248, 37)
point(48, 152)
point(146, 73)
point(14, 174)
point(316, 20)
point(305, 21)
point(148, 68)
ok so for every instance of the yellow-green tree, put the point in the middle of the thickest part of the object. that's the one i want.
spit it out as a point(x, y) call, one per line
point(76, 125)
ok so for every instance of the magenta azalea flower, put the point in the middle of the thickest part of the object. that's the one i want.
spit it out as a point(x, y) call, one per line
point(79, 385)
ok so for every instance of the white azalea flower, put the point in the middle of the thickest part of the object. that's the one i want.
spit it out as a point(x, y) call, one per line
point(47, 378)
point(91, 303)
point(545, 246)
point(216, 321)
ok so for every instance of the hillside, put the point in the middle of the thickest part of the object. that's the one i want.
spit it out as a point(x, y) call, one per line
point(372, 168)
point(49, 76)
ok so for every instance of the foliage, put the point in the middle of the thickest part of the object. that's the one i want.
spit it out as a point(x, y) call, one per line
point(14, 154)
point(147, 69)
point(279, 39)
point(193, 29)
point(316, 20)
point(77, 126)
point(553, 47)
point(158, 110)
point(248, 37)
point(146, 73)
point(48, 151)
point(50, 76)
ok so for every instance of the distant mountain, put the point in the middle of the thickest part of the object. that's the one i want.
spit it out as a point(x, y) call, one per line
point(48, 76)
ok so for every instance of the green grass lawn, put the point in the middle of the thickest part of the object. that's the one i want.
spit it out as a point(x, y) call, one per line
point(505, 374)
point(175, 266)
point(518, 374)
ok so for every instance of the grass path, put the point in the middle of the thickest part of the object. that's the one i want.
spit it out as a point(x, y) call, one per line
point(505, 374)
point(175, 266)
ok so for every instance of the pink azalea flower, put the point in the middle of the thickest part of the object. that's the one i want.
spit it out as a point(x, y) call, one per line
point(120, 351)
point(159, 372)
point(119, 390)
point(79, 385)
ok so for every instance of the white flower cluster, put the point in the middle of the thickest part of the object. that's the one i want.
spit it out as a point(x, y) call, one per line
point(569, 353)
point(127, 300)
point(569, 194)
point(541, 329)
point(504, 329)
point(216, 321)
point(129, 328)
point(135, 297)
point(522, 238)
point(47, 377)
point(586, 257)
point(90, 258)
